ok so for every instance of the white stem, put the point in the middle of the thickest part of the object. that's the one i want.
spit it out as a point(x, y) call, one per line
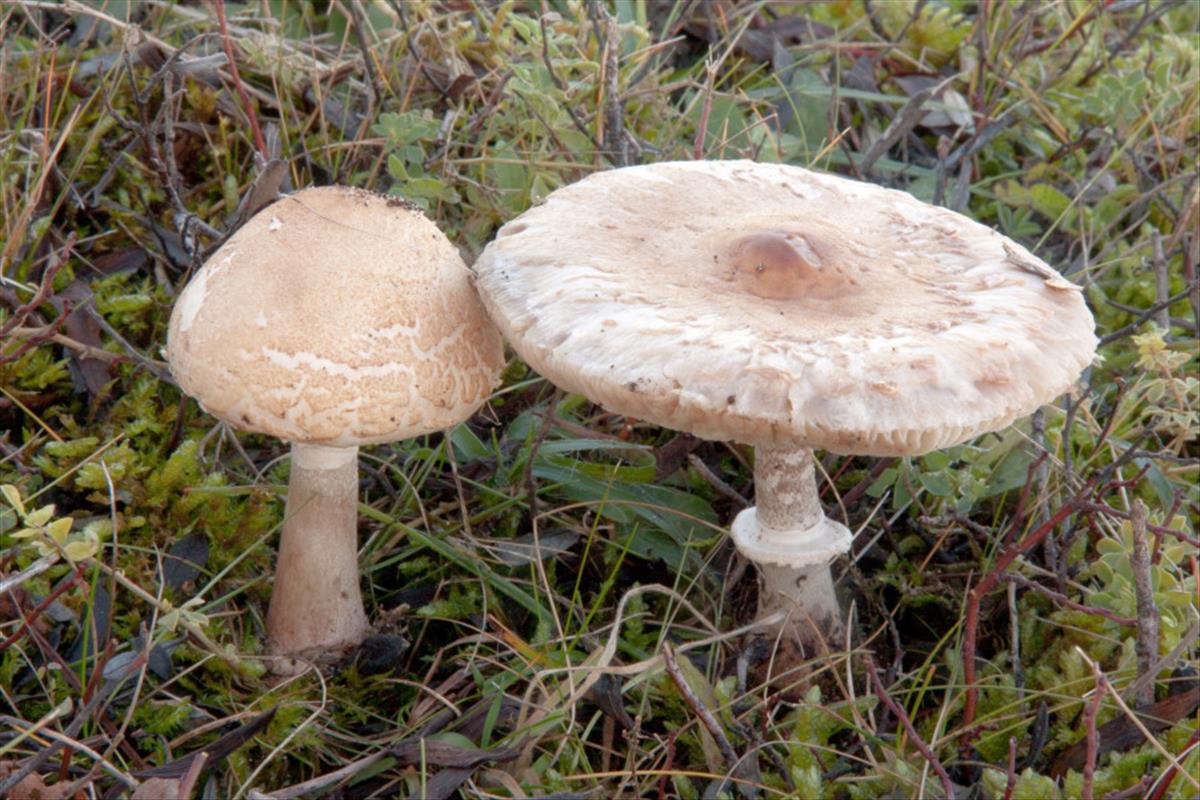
point(792, 542)
point(316, 607)
point(805, 594)
point(785, 489)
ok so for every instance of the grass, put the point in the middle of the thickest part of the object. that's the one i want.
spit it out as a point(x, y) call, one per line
point(996, 613)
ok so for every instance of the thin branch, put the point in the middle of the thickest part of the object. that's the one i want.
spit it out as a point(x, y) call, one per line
point(714, 480)
point(1093, 738)
point(1148, 314)
point(614, 113)
point(44, 290)
point(38, 759)
point(1010, 784)
point(1062, 599)
point(559, 83)
point(697, 705)
point(1169, 775)
point(1147, 612)
point(259, 142)
point(359, 19)
point(918, 742)
point(905, 121)
point(710, 76)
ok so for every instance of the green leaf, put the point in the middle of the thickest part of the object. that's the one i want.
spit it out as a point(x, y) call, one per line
point(79, 550)
point(59, 529)
point(37, 519)
point(937, 460)
point(13, 497)
point(467, 445)
point(937, 484)
point(1049, 201)
point(680, 515)
point(396, 168)
point(883, 482)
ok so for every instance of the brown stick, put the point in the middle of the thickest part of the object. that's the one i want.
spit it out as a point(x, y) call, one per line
point(259, 142)
point(1137, 790)
point(1169, 775)
point(27, 620)
point(43, 292)
point(1093, 739)
point(918, 742)
point(976, 595)
point(1010, 785)
point(1062, 599)
point(1147, 612)
point(1157, 530)
point(697, 705)
point(705, 110)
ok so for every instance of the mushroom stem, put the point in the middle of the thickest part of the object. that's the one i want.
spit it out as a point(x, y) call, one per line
point(316, 606)
point(792, 543)
point(785, 489)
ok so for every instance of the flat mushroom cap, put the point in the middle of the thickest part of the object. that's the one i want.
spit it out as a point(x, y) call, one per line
point(338, 317)
point(776, 306)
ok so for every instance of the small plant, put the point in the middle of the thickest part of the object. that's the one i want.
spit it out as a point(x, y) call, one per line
point(49, 534)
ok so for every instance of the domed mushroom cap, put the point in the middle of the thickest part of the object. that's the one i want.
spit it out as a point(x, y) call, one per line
point(335, 316)
point(777, 306)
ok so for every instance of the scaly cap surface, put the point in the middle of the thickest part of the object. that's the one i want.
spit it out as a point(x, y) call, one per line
point(335, 316)
point(777, 306)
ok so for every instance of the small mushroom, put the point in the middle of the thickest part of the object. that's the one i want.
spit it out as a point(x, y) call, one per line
point(790, 310)
point(334, 318)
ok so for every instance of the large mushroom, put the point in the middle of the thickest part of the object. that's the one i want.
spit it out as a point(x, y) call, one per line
point(789, 310)
point(334, 318)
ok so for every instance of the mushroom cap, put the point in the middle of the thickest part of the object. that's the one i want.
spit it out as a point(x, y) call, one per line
point(335, 316)
point(782, 307)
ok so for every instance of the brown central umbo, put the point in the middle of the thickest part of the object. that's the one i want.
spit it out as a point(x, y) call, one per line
point(784, 265)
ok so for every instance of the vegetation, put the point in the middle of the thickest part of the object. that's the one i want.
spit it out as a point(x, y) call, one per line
point(1015, 598)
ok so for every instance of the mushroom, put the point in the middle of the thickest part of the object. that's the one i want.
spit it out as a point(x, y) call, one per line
point(789, 310)
point(334, 318)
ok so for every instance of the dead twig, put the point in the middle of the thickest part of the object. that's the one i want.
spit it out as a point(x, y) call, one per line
point(1135, 719)
point(1166, 662)
point(1162, 283)
point(902, 717)
point(975, 597)
point(259, 142)
point(1137, 790)
point(1093, 740)
point(1147, 611)
point(85, 713)
point(1169, 776)
point(43, 292)
point(1010, 784)
point(714, 480)
point(698, 708)
point(1062, 599)
point(558, 82)
point(905, 121)
point(1157, 530)
point(710, 76)
point(27, 620)
point(1148, 314)
point(360, 23)
point(1011, 550)
point(615, 147)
